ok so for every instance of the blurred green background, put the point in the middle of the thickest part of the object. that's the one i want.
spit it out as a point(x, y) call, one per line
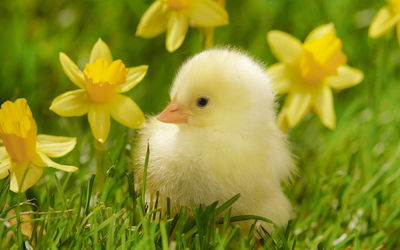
point(34, 32)
point(347, 189)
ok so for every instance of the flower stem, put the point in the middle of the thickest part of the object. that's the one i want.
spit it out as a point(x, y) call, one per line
point(208, 33)
point(208, 37)
point(20, 196)
point(100, 168)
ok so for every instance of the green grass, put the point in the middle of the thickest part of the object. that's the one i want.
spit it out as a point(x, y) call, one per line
point(346, 192)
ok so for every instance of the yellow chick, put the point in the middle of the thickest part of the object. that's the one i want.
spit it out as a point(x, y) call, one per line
point(218, 137)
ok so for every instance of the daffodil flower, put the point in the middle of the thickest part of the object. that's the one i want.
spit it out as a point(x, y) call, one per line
point(101, 84)
point(208, 32)
point(23, 154)
point(307, 72)
point(386, 18)
point(175, 16)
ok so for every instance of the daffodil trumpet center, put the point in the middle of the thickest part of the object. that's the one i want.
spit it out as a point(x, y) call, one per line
point(177, 4)
point(102, 78)
point(321, 57)
point(18, 131)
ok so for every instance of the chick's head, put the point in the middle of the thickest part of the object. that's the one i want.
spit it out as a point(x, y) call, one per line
point(219, 88)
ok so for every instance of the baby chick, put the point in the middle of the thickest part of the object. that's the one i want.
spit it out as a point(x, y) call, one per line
point(218, 137)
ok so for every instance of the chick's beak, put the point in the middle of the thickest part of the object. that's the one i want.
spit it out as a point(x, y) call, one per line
point(173, 114)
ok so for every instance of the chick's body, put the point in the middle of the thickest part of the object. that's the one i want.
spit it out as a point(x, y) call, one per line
point(218, 138)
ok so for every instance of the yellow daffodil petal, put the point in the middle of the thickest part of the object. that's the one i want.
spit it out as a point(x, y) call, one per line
point(347, 77)
point(3, 153)
point(126, 112)
point(72, 70)
point(382, 22)
point(55, 146)
point(4, 165)
point(71, 103)
point(298, 103)
point(321, 31)
point(3, 174)
point(24, 176)
point(323, 106)
point(154, 20)
point(177, 29)
point(44, 161)
point(99, 120)
point(282, 120)
point(135, 75)
point(281, 77)
point(208, 13)
point(284, 46)
point(100, 50)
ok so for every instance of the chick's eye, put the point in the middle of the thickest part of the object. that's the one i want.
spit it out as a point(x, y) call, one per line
point(202, 102)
